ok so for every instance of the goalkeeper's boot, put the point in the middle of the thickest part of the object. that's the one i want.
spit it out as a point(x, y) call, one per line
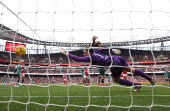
point(137, 88)
point(152, 82)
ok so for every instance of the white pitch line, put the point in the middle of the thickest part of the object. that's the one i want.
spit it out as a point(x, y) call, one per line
point(84, 96)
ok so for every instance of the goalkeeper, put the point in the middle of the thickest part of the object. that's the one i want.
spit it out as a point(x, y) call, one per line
point(18, 68)
point(97, 58)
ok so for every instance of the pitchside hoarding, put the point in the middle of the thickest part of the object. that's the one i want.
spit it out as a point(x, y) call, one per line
point(11, 46)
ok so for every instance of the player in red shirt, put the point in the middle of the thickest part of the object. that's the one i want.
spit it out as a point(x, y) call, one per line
point(53, 80)
point(87, 77)
point(123, 75)
point(23, 70)
point(65, 79)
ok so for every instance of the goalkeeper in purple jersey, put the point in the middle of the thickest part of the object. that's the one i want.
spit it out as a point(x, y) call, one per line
point(97, 58)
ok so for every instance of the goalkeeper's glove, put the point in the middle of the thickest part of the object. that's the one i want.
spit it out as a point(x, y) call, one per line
point(63, 51)
point(116, 51)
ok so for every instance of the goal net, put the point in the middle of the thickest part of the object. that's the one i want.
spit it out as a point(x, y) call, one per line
point(54, 81)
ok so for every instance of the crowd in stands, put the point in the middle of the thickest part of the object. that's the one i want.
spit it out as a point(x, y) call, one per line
point(74, 79)
point(74, 70)
point(58, 58)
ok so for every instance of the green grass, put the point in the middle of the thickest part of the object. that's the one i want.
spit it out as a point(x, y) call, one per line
point(78, 95)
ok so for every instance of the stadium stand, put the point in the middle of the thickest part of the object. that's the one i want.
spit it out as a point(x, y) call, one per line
point(139, 57)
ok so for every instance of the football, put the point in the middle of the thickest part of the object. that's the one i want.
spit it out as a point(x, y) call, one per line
point(20, 50)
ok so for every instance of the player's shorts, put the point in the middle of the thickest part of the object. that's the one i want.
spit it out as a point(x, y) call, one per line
point(84, 76)
point(124, 75)
point(166, 76)
point(19, 74)
point(103, 75)
point(121, 78)
point(4, 79)
point(65, 79)
point(119, 61)
point(87, 77)
point(23, 74)
point(99, 76)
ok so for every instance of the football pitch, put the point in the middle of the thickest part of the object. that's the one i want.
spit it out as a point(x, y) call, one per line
point(59, 97)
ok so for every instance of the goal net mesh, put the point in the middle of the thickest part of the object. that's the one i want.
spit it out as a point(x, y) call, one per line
point(76, 21)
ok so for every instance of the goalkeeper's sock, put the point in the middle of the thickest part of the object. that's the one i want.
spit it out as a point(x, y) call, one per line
point(127, 82)
point(139, 72)
point(83, 81)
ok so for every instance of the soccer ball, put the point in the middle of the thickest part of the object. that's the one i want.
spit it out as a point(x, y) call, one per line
point(20, 50)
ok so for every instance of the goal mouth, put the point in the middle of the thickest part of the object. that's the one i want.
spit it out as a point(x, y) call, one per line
point(54, 81)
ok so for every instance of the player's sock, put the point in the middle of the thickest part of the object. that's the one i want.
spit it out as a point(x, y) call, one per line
point(127, 82)
point(166, 80)
point(139, 72)
point(113, 81)
point(99, 81)
point(17, 82)
point(66, 82)
point(83, 81)
point(21, 81)
point(102, 81)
